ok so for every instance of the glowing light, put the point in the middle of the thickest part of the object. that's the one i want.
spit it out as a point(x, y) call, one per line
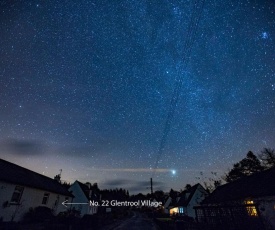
point(264, 35)
point(252, 211)
point(173, 172)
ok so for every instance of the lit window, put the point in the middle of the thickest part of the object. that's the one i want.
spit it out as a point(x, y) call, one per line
point(45, 198)
point(173, 211)
point(17, 194)
point(251, 209)
point(181, 210)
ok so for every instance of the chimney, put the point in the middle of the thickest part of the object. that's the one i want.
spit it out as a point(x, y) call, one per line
point(88, 184)
point(57, 178)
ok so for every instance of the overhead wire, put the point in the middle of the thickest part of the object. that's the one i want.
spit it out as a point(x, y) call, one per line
point(191, 32)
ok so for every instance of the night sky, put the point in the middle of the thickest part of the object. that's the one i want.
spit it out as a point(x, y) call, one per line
point(85, 86)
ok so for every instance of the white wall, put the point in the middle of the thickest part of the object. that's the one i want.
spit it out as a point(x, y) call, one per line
point(267, 210)
point(166, 205)
point(79, 197)
point(197, 198)
point(31, 198)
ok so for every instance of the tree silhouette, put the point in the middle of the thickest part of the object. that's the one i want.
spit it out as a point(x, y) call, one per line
point(173, 193)
point(187, 187)
point(268, 157)
point(247, 166)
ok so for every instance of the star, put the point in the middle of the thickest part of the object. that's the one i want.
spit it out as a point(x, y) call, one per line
point(99, 85)
point(264, 35)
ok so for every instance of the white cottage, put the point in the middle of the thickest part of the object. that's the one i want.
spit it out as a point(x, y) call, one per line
point(185, 203)
point(83, 194)
point(22, 189)
point(249, 200)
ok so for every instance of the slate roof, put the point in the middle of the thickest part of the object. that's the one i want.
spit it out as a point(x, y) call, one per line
point(184, 201)
point(257, 185)
point(86, 190)
point(15, 174)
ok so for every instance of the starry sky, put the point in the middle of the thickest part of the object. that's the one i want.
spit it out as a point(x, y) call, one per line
point(85, 86)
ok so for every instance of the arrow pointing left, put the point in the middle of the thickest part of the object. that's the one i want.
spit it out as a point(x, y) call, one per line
point(65, 203)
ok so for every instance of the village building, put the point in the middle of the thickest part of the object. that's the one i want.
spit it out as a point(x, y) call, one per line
point(85, 198)
point(247, 203)
point(184, 204)
point(22, 189)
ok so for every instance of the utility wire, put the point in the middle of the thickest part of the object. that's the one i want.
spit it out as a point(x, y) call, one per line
point(187, 48)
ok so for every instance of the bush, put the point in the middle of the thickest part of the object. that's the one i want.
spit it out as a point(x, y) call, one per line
point(38, 215)
point(73, 213)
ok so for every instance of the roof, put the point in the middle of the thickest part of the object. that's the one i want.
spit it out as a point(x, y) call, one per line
point(86, 190)
point(257, 185)
point(15, 174)
point(185, 198)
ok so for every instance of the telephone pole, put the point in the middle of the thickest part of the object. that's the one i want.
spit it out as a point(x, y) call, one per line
point(151, 180)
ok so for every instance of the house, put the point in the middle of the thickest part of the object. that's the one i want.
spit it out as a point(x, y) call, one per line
point(249, 201)
point(187, 200)
point(22, 189)
point(167, 204)
point(170, 205)
point(191, 198)
point(83, 194)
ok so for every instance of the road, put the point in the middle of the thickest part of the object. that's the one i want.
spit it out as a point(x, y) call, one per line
point(137, 222)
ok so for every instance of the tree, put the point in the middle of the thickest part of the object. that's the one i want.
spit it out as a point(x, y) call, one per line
point(217, 183)
point(187, 187)
point(247, 166)
point(267, 157)
point(173, 194)
point(65, 184)
point(158, 194)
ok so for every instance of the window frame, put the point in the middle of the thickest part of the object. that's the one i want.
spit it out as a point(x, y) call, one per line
point(251, 208)
point(45, 198)
point(17, 194)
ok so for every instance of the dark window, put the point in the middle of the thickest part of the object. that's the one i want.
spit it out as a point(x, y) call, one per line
point(45, 198)
point(17, 194)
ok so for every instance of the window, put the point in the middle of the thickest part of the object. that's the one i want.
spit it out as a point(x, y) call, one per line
point(45, 198)
point(173, 211)
point(57, 200)
point(17, 194)
point(251, 209)
point(181, 210)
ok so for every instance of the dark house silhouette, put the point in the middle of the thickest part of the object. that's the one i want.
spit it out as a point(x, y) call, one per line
point(255, 193)
point(22, 189)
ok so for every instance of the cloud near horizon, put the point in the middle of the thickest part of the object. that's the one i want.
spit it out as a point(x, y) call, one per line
point(133, 185)
point(149, 170)
point(21, 147)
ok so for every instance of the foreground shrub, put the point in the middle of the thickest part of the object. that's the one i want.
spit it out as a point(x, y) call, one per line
point(38, 215)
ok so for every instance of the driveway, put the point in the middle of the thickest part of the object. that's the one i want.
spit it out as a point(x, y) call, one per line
point(137, 222)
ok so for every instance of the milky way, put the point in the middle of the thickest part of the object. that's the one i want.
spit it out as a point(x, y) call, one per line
point(85, 86)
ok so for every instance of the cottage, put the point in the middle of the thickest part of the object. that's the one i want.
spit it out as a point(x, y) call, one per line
point(184, 204)
point(83, 194)
point(189, 199)
point(249, 201)
point(22, 189)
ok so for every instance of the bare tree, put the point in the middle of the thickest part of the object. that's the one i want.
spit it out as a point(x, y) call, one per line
point(267, 157)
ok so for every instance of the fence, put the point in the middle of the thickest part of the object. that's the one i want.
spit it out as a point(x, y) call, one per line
point(238, 217)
